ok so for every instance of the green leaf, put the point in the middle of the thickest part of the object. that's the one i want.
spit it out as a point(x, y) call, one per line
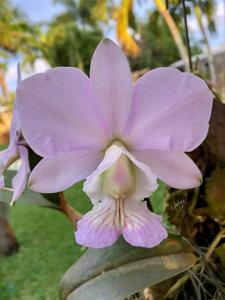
point(158, 199)
point(28, 197)
point(119, 271)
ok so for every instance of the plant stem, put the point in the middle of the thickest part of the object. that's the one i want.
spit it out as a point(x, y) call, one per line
point(72, 214)
point(180, 282)
point(187, 35)
point(215, 242)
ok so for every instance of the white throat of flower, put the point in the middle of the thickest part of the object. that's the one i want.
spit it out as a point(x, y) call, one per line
point(118, 179)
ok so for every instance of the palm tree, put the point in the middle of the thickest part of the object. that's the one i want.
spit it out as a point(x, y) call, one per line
point(67, 44)
point(206, 8)
point(174, 30)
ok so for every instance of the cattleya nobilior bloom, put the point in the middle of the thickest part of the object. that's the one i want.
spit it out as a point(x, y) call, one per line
point(17, 149)
point(118, 136)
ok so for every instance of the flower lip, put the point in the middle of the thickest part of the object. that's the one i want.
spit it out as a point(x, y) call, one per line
point(138, 179)
point(119, 180)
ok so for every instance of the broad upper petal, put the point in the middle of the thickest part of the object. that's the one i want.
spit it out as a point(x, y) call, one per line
point(58, 112)
point(97, 229)
point(174, 168)
point(170, 111)
point(143, 228)
point(19, 181)
point(111, 79)
point(58, 173)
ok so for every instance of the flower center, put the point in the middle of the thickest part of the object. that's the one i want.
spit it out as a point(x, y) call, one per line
point(119, 180)
point(120, 213)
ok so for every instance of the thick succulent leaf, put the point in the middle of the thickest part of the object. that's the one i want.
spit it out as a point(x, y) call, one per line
point(215, 190)
point(119, 271)
point(159, 200)
point(28, 196)
point(159, 290)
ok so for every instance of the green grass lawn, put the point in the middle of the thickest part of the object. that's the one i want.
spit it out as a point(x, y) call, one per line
point(47, 249)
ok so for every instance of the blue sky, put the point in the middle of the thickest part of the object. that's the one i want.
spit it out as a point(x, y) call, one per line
point(38, 10)
point(45, 10)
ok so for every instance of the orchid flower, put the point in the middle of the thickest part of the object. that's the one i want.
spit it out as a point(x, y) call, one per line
point(117, 136)
point(16, 150)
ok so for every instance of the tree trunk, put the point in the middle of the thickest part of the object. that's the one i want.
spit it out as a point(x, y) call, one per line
point(212, 70)
point(8, 242)
point(160, 4)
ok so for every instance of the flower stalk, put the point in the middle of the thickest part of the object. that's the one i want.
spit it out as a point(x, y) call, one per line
point(72, 214)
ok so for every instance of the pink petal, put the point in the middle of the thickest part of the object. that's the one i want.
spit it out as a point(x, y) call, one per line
point(3, 161)
point(58, 112)
point(14, 129)
point(97, 229)
point(170, 111)
point(145, 179)
point(62, 171)
point(174, 168)
point(7, 157)
point(2, 181)
point(93, 183)
point(143, 228)
point(18, 74)
point(111, 79)
point(19, 181)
